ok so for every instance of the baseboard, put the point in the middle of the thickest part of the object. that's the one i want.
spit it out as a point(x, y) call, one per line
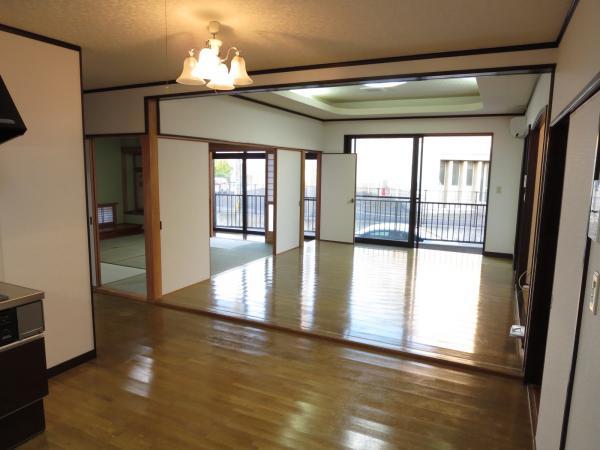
point(498, 255)
point(69, 364)
point(533, 400)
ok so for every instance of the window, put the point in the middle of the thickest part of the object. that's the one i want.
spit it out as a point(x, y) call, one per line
point(469, 173)
point(455, 173)
point(443, 172)
point(106, 214)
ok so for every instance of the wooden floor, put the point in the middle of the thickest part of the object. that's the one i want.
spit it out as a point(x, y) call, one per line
point(166, 379)
point(457, 307)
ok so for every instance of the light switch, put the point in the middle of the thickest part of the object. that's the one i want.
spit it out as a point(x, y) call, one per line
point(593, 303)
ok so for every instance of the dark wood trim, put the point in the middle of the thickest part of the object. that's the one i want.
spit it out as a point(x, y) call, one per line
point(109, 135)
point(39, 37)
point(566, 21)
point(498, 255)
point(71, 363)
point(533, 400)
point(247, 146)
point(580, 308)
point(541, 286)
point(220, 146)
point(487, 197)
point(152, 224)
point(583, 96)
point(280, 108)
point(129, 86)
point(445, 116)
point(318, 195)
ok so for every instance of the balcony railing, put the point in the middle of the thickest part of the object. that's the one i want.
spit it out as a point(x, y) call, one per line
point(388, 218)
point(376, 217)
point(228, 212)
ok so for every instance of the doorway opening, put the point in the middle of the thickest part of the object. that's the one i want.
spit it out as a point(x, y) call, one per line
point(312, 162)
point(117, 213)
point(239, 207)
point(422, 190)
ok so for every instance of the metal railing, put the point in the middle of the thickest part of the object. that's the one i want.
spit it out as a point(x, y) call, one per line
point(228, 212)
point(388, 218)
point(452, 222)
point(310, 215)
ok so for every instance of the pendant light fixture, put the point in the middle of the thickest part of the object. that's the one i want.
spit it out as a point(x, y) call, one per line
point(212, 68)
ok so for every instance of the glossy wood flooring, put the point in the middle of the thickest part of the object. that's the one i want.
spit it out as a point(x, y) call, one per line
point(457, 307)
point(166, 379)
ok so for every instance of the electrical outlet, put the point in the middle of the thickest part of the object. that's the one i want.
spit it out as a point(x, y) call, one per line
point(593, 302)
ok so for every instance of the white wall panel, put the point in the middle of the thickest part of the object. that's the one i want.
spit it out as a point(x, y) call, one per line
point(231, 119)
point(184, 213)
point(43, 218)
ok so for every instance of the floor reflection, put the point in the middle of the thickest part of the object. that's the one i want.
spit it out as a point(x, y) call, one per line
point(431, 302)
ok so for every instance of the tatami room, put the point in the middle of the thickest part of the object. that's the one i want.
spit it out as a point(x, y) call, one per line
point(298, 237)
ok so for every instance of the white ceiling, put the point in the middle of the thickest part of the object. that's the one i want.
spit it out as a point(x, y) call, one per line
point(502, 94)
point(123, 42)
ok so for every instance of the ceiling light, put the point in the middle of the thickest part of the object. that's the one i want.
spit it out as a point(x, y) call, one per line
point(310, 92)
point(210, 66)
point(383, 84)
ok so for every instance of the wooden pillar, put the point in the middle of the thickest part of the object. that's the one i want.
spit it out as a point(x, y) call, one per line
point(151, 203)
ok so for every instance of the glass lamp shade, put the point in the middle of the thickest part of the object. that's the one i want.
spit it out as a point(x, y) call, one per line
point(221, 80)
point(238, 73)
point(187, 76)
point(208, 61)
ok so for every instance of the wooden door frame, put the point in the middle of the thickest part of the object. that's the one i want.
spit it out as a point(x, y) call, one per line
point(543, 275)
point(91, 160)
point(152, 222)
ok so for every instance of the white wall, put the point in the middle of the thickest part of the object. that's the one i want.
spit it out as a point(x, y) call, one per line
point(184, 193)
point(507, 153)
point(287, 223)
point(578, 62)
point(539, 99)
point(585, 405)
point(231, 119)
point(578, 57)
point(43, 220)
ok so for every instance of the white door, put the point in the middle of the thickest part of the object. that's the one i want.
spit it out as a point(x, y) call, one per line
point(289, 182)
point(338, 189)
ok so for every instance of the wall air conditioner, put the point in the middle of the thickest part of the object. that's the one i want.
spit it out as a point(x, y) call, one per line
point(518, 127)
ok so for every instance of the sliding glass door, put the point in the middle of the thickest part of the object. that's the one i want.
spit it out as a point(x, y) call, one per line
point(385, 189)
point(422, 189)
point(239, 192)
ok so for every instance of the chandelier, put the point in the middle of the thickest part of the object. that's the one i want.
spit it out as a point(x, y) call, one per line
point(210, 69)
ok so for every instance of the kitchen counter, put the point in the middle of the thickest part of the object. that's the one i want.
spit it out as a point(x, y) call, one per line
point(24, 377)
point(17, 295)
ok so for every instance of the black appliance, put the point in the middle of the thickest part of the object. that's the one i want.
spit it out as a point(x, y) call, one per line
point(11, 124)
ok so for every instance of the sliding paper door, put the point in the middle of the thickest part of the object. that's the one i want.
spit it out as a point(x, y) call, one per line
point(184, 213)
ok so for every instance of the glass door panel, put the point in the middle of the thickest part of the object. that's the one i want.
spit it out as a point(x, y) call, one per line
point(255, 194)
point(228, 189)
point(383, 189)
